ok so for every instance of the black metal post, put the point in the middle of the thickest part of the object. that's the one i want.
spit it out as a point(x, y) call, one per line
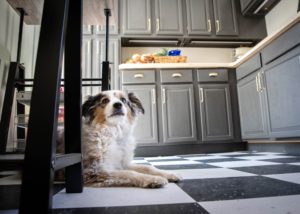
point(105, 64)
point(72, 81)
point(39, 162)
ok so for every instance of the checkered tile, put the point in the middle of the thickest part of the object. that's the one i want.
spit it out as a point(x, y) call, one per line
point(236, 182)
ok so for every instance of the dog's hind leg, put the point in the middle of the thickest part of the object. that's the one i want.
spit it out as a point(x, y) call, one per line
point(124, 178)
point(151, 170)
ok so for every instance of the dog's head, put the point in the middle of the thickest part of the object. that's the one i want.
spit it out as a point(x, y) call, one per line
point(112, 107)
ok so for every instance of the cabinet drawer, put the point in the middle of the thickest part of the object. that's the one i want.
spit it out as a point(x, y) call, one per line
point(176, 75)
point(248, 67)
point(282, 44)
point(212, 75)
point(137, 76)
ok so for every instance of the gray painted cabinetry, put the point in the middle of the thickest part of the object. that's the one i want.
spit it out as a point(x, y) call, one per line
point(173, 109)
point(269, 97)
point(137, 18)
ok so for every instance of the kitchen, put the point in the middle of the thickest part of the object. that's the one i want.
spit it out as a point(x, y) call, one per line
point(223, 102)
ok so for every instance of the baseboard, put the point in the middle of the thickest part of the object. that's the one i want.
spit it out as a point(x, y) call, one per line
point(203, 148)
point(287, 147)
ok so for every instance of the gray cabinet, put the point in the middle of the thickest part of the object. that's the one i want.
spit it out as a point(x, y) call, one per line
point(146, 128)
point(136, 17)
point(282, 83)
point(93, 54)
point(198, 17)
point(178, 113)
point(215, 109)
point(225, 17)
point(168, 15)
point(252, 107)
point(222, 22)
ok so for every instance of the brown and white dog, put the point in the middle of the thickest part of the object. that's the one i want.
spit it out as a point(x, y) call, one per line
point(108, 143)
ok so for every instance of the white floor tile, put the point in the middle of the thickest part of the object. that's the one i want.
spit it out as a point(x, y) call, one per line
point(181, 162)
point(290, 177)
point(104, 197)
point(296, 164)
point(270, 205)
point(229, 153)
point(206, 157)
point(269, 153)
point(232, 164)
point(264, 157)
point(163, 158)
point(139, 161)
point(209, 173)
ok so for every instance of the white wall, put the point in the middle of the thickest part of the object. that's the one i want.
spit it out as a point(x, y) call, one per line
point(281, 14)
point(193, 54)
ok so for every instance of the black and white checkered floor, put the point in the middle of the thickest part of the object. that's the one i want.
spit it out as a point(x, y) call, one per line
point(236, 182)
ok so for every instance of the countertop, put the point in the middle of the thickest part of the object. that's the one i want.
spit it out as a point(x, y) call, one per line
point(257, 48)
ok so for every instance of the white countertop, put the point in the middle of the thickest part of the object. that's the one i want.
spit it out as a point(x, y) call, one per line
point(234, 64)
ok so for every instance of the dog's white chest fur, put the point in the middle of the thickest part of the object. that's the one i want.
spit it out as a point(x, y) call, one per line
point(107, 147)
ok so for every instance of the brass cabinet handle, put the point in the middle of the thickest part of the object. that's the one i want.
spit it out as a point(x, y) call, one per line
point(157, 25)
point(259, 82)
point(201, 95)
point(209, 25)
point(149, 24)
point(176, 75)
point(213, 74)
point(153, 95)
point(262, 81)
point(138, 76)
point(217, 26)
point(256, 81)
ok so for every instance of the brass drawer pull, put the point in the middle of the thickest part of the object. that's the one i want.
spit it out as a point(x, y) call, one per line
point(213, 74)
point(176, 75)
point(138, 76)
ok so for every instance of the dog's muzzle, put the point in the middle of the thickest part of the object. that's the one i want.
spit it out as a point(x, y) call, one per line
point(117, 111)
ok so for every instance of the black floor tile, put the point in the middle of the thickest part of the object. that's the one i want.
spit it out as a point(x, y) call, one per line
point(186, 166)
point(190, 208)
point(284, 160)
point(271, 169)
point(218, 160)
point(237, 188)
point(164, 160)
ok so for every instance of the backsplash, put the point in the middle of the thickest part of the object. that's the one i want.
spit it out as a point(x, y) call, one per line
point(198, 55)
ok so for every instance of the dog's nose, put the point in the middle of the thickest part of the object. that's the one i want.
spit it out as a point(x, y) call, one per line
point(117, 105)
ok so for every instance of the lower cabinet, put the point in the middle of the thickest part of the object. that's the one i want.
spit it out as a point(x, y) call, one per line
point(146, 127)
point(252, 107)
point(178, 113)
point(282, 82)
point(215, 111)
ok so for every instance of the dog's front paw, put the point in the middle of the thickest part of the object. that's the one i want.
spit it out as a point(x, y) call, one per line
point(172, 177)
point(154, 182)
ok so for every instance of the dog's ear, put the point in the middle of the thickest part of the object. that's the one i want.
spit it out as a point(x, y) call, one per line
point(87, 106)
point(136, 103)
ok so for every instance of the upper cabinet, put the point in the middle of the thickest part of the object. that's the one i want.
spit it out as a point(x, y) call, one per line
point(136, 17)
point(225, 17)
point(168, 14)
point(201, 20)
point(198, 17)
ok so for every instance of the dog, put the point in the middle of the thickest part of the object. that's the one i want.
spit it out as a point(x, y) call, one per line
point(108, 143)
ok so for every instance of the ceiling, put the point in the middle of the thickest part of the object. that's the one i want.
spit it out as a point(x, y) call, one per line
point(93, 11)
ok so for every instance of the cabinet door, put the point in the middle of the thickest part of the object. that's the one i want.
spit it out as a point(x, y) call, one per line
point(136, 17)
point(86, 65)
point(283, 92)
point(168, 14)
point(225, 17)
point(215, 108)
point(178, 113)
point(252, 107)
point(146, 127)
point(99, 56)
point(198, 17)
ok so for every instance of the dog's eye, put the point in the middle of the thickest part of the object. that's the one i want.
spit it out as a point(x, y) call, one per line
point(123, 100)
point(105, 101)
